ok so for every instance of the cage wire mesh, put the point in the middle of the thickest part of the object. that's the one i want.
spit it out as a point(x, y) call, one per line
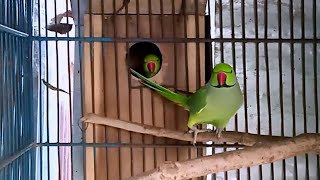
point(274, 47)
point(17, 134)
point(79, 51)
point(290, 107)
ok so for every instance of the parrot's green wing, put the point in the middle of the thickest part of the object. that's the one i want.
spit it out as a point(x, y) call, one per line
point(170, 95)
point(198, 100)
point(187, 93)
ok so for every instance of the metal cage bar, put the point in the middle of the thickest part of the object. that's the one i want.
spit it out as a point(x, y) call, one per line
point(17, 133)
point(262, 50)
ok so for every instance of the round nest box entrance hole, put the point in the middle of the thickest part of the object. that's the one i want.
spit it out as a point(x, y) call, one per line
point(140, 54)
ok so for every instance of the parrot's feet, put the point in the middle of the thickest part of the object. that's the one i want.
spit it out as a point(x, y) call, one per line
point(219, 131)
point(195, 130)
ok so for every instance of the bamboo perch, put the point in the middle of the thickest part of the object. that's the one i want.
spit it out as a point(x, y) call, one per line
point(227, 136)
point(261, 153)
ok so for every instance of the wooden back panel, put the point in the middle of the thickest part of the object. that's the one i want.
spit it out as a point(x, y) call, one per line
point(109, 91)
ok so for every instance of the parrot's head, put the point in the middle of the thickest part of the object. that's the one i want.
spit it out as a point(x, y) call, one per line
point(151, 65)
point(223, 76)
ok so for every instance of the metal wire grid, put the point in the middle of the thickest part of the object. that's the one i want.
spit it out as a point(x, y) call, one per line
point(222, 45)
point(47, 143)
point(17, 134)
point(291, 59)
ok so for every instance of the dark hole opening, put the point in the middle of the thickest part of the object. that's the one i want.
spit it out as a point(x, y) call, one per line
point(136, 58)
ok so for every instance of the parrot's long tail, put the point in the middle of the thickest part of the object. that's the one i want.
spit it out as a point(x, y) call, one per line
point(170, 95)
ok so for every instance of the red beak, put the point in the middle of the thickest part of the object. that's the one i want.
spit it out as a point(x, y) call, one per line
point(151, 66)
point(221, 78)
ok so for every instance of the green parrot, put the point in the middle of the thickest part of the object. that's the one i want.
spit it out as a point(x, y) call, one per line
point(151, 65)
point(147, 64)
point(214, 103)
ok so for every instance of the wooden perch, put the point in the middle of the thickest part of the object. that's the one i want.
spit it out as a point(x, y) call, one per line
point(260, 154)
point(227, 136)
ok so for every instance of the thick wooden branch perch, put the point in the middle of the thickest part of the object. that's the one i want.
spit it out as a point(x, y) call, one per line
point(227, 136)
point(259, 154)
point(267, 149)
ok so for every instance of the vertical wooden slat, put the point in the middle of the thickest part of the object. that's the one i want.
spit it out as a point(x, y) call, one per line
point(121, 169)
point(94, 164)
point(160, 152)
point(87, 103)
point(192, 65)
point(137, 152)
point(193, 60)
point(158, 108)
point(125, 152)
point(146, 95)
point(169, 107)
point(112, 133)
point(149, 158)
point(182, 115)
point(111, 99)
point(202, 64)
point(137, 98)
point(170, 123)
point(99, 105)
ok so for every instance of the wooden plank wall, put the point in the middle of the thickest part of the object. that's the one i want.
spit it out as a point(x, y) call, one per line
point(110, 5)
point(108, 92)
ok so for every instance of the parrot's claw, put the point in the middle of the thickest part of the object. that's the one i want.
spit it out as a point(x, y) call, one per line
point(196, 131)
point(219, 131)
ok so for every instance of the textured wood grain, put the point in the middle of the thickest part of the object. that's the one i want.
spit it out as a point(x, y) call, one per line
point(87, 103)
point(98, 99)
point(246, 139)
point(180, 6)
point(94, 99)
point(260, 154)
point(126, 99)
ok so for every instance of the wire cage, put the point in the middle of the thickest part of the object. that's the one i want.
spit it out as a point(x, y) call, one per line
point(17, 132)
point(61, 60)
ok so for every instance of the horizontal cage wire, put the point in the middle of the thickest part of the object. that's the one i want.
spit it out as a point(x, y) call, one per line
point(65, 61)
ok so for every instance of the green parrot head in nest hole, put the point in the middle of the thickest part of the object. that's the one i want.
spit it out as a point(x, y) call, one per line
point(151, 65)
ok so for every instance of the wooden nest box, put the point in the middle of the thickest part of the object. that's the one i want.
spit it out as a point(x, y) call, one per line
point(110, 91)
